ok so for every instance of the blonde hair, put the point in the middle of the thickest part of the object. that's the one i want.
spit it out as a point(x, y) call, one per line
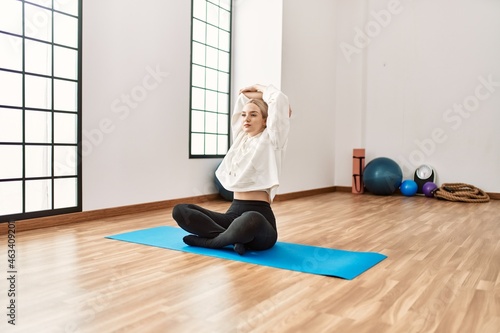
point(261, 104)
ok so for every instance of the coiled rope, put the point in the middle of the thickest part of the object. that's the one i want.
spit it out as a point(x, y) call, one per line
point(461, 192)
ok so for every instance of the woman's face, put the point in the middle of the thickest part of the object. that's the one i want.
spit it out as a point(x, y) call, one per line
point(253, 122)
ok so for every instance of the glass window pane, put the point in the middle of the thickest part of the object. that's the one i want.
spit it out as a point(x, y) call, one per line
point(38, 23)
point(41, 43)
point(38, 161)
point(225, 20)
point(38, 127)
point(65, 161)
point(226, 4)
point(212, 57)
point(65, 63)
point(11, 125)
point(11, 198)
point(212, 36)
point(67, 6)
point(198, 98)
point(13, 169)
point(199, 9)
point(223, 82)
point(11, 56)
point(43, 3)
point(222, 124)
point(211, 121)
point(211, 79)
point(197, 144)
point(65, 194)
point(38, 57)
point(198, 53)
point(65, 98)
point(223, 104)
point(65, 127)
point(38, 92)
point(211, 102)
point(38, 195)
point(198, 121)
point(9, 12)
point(198, 76)
point(210, 144)
point(11, 86)
point(212, 14)
point(223, 61)
point(224, 40)
point(199, 31)
point(222, 144)
point(210, 54)
point(65, 30)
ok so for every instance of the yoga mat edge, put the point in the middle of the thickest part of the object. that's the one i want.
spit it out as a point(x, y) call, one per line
point(290, 256)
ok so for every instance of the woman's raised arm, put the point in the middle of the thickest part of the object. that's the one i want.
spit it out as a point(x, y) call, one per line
point(254, 91)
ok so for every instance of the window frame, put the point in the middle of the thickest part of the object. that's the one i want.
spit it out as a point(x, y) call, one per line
point(51, 110)
point(204, 111)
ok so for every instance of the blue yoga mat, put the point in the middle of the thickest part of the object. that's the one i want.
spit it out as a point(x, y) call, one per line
point(296, 257)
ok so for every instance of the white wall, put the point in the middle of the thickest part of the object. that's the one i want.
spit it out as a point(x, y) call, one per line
point(389, 97)
point(350, 101)
point(308, 77)
point(136, 124)
point(290, 44)
point(426, 59)
point(256, 43)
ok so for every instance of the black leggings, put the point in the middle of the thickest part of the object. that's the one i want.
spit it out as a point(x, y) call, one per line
point(247, 224)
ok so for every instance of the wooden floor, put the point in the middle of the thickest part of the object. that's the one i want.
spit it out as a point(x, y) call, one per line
point(442, 274)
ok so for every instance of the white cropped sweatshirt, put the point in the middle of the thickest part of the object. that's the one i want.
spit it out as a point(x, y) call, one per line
point(254, 163)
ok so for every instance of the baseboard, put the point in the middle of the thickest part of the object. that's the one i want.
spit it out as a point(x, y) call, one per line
point(302, 194)
point(492, 195)
point(58, 220)
point(343, 189)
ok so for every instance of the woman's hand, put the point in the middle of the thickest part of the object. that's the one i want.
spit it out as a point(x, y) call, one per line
point(254, 91)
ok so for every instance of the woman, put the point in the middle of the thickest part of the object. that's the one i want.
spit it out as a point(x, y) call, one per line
point(251, 170)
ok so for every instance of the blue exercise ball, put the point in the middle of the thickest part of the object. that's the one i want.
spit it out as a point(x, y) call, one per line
point(382, 176)
point(408, 187)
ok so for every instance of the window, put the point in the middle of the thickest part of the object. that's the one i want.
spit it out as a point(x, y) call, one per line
point(40, 108)
point(210, 77)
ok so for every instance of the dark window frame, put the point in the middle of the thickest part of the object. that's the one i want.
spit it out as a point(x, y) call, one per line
point(221, 110)
point(23, 109)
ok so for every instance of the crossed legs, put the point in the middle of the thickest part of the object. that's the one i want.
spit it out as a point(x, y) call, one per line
point(210, 229)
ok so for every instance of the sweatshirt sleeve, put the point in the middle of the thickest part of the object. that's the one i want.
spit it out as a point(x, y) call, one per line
point(236, 120)
point(278, 120)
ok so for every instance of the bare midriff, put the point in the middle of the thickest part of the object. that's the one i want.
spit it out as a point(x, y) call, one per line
point(252, 195)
